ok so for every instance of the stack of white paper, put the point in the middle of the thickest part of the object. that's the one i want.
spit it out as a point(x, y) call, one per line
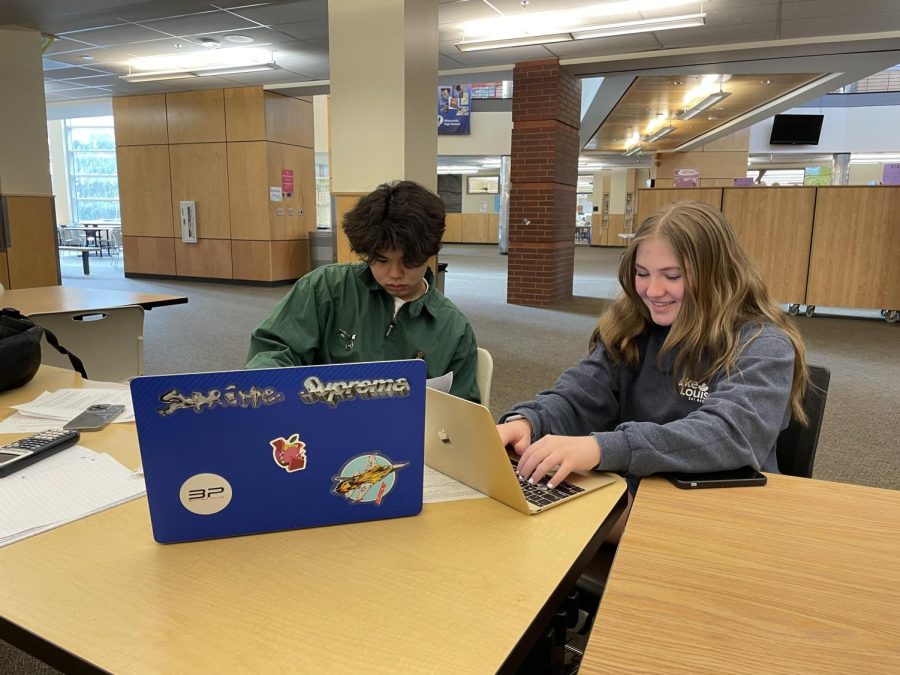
point(59, 489)
point(51, 410)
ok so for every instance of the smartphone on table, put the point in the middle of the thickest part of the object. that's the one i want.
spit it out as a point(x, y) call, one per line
point(746, 476)
point(95, 417)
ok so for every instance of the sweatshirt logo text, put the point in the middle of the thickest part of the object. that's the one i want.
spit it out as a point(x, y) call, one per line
point(693, 391)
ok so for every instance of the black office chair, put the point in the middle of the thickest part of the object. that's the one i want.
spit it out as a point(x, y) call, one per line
point(796, 445)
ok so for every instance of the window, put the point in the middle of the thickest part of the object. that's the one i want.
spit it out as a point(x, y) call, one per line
point(91, 157)
point(483, 185)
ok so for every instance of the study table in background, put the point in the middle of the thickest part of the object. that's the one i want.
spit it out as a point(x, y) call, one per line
point(54, 299)
point(799, 576)
point(451, 590)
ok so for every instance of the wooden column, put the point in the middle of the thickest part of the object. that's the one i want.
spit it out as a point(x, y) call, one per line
point(543, 178)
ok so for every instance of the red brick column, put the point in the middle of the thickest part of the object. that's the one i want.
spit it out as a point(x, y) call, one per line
point(543, 183)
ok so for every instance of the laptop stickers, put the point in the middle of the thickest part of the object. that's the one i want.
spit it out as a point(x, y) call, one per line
point(249, 451)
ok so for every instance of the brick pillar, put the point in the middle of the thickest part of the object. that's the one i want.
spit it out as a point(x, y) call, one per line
point(543, 183)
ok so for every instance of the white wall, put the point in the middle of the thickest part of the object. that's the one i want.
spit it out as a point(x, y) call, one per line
point(491, 135)
point(863, 129)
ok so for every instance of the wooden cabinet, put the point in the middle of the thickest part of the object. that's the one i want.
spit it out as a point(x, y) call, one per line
point(472, 228)
point(224, 149)
point(775, 226)
point(855, 248)
point(28, 251)
point(652, 199)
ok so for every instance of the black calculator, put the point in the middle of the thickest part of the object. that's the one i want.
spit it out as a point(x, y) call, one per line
point(19, 454)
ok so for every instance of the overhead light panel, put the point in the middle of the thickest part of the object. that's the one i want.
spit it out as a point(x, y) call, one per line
point(522, 41)
point(582, 23)
point(632, 150)
point(702, 105)
point(659, 133)
point(642, 26)
point(200, 64)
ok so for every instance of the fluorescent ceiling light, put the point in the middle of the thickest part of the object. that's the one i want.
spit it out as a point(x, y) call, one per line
point(181, 75)
point(632, 150)
point(198, 64)
point(659, 133)
point(702, 105)
point(521, 41)
point(642, 26)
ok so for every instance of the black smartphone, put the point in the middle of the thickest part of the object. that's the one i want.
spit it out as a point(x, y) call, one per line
point(95, 417)
point(746, 476)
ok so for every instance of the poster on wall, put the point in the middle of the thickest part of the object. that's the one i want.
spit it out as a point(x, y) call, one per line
point(890, 174)
point(817, 175)
point(454, 106)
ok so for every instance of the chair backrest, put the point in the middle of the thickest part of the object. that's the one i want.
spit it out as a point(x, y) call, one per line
point(484, 373)
point(796, 445)
point(110, 341)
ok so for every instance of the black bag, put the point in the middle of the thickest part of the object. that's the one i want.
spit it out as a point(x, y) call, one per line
point(20, 349)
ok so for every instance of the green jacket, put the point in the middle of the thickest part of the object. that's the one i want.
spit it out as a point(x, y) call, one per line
point(339, 314)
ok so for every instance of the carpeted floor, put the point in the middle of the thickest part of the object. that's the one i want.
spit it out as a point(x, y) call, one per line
point(532, 346)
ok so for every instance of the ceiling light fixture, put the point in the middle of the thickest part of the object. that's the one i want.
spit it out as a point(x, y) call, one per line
point(641, 26)
point(522, 41)
point(200, 64)
point(582, 23)
point(632, 150)
point(702, 105)
point(659, 133)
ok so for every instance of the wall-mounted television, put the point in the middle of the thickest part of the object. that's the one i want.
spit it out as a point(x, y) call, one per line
point(796, 129)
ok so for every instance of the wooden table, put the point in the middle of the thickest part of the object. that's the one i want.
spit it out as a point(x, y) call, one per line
point(51, 299)
point(455, 589)
point(800, 576)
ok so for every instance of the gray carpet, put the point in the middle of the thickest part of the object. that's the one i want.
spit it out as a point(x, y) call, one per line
point(532, 346)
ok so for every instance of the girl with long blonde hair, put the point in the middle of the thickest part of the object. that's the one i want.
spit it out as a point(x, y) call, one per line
point(694, 368)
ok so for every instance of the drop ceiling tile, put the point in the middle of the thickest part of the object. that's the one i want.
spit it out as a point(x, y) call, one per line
point(273, 14)
point(121, 34)
point(304, 30)
point(215, 21)
point(841, 25)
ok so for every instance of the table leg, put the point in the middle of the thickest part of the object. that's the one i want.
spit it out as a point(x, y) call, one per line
point(85, 262)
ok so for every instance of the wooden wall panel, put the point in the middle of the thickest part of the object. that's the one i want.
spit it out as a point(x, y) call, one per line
point(200, 173)
point(475, 228)
point(145, 190)
point(343, 202)
point(4, 271)
point(196, 116)
point(652, 199)
point(245, 115)
point(855, 248)
point(208, 258)
point(289, 120)
point(140, 120)
point(248, 190)
point(775, 226)
point(599, 234)
point(149, 255)
point(270, 260)
point(453, 231)
point(493, 228)
point(616, 227)
point(293, 217)
point(31, 257)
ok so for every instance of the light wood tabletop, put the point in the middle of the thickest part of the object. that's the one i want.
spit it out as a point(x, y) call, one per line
point(452, 590)
point(799, 576)
point(51, 299)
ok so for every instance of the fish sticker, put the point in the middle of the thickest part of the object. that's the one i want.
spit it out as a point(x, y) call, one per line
point(358, 476)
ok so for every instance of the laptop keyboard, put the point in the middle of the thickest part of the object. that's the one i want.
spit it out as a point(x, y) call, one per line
point(540, 494)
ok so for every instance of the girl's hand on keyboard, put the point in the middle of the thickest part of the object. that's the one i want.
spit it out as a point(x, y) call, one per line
point(569, 453)
point(515, 434)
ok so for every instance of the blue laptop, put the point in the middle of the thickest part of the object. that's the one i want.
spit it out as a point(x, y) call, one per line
point(249, 451)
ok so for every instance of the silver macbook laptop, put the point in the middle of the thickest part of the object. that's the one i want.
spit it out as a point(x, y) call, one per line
point(461, 441)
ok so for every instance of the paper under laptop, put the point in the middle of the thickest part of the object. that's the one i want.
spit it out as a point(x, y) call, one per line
point(461, 441)
point(250, 451)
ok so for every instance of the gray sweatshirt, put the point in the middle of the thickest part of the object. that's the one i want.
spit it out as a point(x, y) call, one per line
point(646, 422)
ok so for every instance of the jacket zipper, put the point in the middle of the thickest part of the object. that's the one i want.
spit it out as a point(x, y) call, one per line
point(390, 328)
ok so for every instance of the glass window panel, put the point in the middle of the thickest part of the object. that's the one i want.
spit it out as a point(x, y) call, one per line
point(94, 163)
point(93, 187)
point(92, 209)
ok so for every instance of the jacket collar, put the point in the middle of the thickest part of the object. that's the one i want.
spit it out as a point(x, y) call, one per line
point(430, 301)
